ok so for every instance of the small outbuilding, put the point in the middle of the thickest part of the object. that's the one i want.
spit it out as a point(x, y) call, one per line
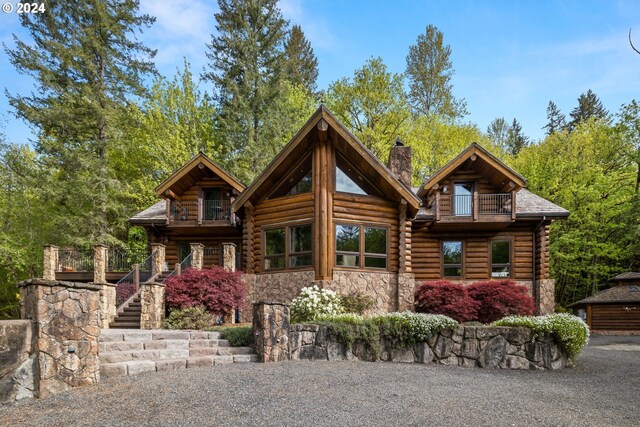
point(616, 308)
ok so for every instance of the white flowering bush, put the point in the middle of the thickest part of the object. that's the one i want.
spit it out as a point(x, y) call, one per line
point(408, 328)
point(314, 303)
point(571, 331)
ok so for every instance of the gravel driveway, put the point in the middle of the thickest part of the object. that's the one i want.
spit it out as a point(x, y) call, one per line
point(602, 390)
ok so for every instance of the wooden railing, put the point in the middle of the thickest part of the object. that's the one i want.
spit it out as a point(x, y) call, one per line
point(474, 206)
point(198, 211)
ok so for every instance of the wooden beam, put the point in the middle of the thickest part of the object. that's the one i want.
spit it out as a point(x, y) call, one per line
point(473, 157)
point(508, 187)
point(172, 195)
point(474, 205)
point(248, 215)
point(199, 209)
point(322, 127)
point(513, 205)
point(437, 207)
point(168, 207)
point(402, 250)
point(200, 166)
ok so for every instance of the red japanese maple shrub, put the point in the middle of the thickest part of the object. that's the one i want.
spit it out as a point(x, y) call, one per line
point(218, 290)
point(501, 298)
point(444, 297)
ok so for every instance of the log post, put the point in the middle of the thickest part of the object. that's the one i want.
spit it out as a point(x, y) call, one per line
point(136, 276)
point(474, 205)
point(199, 209)
point(168, 207)
point(437, 206)
point(402, 219)
point(248, 250)
point(513, 205)
point(178, 269)
point(51, 262)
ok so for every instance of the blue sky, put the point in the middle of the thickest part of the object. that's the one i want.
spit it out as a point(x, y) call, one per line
point(510, 57)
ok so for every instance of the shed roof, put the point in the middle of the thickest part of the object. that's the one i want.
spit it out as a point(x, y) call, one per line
point(628, 276)
point(155, 214)
point(617, 294)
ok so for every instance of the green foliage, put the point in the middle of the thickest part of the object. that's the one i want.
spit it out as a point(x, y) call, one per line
point(571, 332)
point(238, 336)
point(301, 66)
point(189, 318)
point(356, 303)
point(313, 302)
point(589, 107)
point(429, 71)
point(372, 105)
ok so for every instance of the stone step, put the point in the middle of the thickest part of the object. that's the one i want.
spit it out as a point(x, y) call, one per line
point(112, 352)
point(136, 367)
point(158, 335)
point(233, 351)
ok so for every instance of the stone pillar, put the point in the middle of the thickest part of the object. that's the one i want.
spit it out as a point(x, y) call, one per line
point(229, 256)
point(100, 262)
point(152, 305)
point(50, 262)
point(546, 293)
point(66, 316)
point(406, 291)
point(197, 256)
point(107, 304)
point(271, 329)
point(157, 261)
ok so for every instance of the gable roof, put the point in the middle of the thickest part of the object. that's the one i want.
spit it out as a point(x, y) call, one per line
point(473, 150)
point(322, 113)
point(629, 275)
point(187, 170)
point(617, 294)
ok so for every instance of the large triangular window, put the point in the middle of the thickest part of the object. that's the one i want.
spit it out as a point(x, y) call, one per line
point(298, 180)
point(350, 180)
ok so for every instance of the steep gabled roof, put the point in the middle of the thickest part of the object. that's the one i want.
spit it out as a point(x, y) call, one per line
point(357, 147)
point(503, 171)
point(189, 172)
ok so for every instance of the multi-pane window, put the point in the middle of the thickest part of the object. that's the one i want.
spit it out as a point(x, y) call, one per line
point(288, 247)
point(355, 242)
point(452, 258)
point(500, 258)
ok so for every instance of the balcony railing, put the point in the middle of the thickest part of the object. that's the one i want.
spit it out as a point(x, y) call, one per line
point(500, 206)
point(198, 211)
point(71, 259)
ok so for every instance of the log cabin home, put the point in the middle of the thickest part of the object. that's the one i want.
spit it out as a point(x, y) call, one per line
point(326, 211)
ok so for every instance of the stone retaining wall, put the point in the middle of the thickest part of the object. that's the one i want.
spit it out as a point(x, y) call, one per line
point(468, 346)
point(18, 361)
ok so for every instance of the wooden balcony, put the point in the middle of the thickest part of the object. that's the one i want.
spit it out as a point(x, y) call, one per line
point(500, 207)
point(200, 213)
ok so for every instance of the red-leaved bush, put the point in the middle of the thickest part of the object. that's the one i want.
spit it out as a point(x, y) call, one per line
point(498, 299)
point(218, 290)
point(444, 297)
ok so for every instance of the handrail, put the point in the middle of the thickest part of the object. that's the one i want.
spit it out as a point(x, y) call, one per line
point(130, 283)
point(186, 263)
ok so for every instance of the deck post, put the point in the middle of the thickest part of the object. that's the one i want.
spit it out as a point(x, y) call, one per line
point(100, 262)
point(136, 276)
point(178, 269)
point(437, 206)
point(199, 209)
point(474, 205)
point(513, 205)
point(197, 256)
point(157, 261)
point(50, 262)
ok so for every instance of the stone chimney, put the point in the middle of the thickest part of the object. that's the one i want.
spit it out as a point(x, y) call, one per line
point(400, 162)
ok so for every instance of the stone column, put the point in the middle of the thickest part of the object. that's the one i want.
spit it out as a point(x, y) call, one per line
point(152, 305)
point(157, 262)
point(546, 293)
point(229, 256)
point(66, 316)
point(107, 304)
point(406, 291)
point(50, 262)
point(100, 262)
point(271, 329)
point(197, 256)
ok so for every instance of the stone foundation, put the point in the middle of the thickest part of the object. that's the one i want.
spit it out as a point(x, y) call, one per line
point(469, 347)
point(18, 361)
point(277, 287)
point(66, 318)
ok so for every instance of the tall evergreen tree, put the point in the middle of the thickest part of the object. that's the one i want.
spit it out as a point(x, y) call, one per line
point(87, 66)
point(498, 132)
point(589, 107)
point(556, 120)
point(429, 71)
point(301, 63)
point(516, 140)
point(246, 68)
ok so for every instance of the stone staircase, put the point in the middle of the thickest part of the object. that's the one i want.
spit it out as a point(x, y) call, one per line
point(130, 316)
point(132, 352)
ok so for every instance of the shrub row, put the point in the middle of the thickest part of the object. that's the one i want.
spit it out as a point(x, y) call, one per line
point(484, 301)
point(313, 303)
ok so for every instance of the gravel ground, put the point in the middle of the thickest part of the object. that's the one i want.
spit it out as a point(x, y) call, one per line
point(601, 391)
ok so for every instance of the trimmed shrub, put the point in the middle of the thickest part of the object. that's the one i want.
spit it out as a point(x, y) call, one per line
point(238, 336)
point(218, 290)
point(497, 299)
point(444, 297)
point(571, 331)
point(313, 303)
point(189, 318)
point(356, 303)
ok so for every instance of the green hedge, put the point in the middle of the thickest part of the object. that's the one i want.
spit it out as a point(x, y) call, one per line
point(238, 336)
point(571, 332)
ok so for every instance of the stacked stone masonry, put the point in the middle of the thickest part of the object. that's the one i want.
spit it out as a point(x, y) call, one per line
point(152, 305)
point(468, 346)
point(66, 319)
point(18, 361)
